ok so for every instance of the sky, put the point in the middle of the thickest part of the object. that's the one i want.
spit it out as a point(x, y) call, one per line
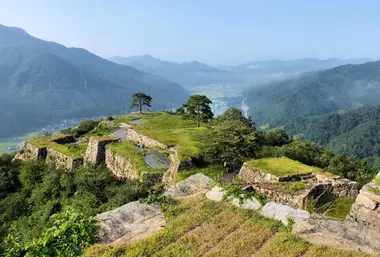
point(218, 32)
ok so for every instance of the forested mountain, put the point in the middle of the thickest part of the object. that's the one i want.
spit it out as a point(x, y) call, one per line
point(337, 108)
point(43, 81)
point(316, 93)
point(187, 73)
point(355, 132)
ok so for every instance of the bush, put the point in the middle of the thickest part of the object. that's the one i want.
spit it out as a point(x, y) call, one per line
point(68, 235)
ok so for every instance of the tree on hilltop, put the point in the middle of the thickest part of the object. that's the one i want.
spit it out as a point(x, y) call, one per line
point(140, 100)
point(235, 114)
point(197, 108)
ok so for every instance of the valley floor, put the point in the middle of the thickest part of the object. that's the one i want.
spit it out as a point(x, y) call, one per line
point(199, 227)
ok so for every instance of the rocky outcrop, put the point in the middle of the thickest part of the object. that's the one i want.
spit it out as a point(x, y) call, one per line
point(62, 161)
point(96, 149)
point(366, 209)
point(192, 185)
point(30, 152)
point(170, 177)
point(283, 213)
point(130, 222)
point(120, 166)
point(341, 234)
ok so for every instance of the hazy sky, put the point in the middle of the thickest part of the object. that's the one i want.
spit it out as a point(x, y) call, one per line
point(212, 31)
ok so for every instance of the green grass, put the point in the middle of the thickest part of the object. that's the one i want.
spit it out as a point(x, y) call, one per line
point(199, 227)
point(376, 180)
point(173, 129)
point(44, 141)
point(374, 190)
point(135, 155)
point(214, 172)
point(294, 186)
point(72, 150)
point(341, 207)
point(283, 166)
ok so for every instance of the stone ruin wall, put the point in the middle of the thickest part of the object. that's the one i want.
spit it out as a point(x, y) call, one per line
point(96, 150)
point(366, 209)
point(170, 176)
point(334, 187)
point(134, 136)
point(255, 175)
point(62, 161)
point(30, 152)
point(293, 200)
point(120, 166)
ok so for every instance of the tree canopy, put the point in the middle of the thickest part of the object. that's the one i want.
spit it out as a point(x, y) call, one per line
point(197, 108)
point(139, 100)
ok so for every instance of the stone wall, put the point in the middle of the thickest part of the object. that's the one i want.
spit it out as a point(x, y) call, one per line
point(344, 188)
point(256, 175)
point(96, 149)
point(170, 177)
point(134, 136)
point(62, 161)
point(120, 166)
point(366, 209)
point(298, 199)
point(30, 152)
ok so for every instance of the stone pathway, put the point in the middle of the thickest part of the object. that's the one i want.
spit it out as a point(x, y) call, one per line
point(156, 160)
point(138, 121)
point(120, 133)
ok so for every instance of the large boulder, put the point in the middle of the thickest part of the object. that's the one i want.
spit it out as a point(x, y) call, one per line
point(283, 213)
point(341, 234)
point(192, 185)
point(215, 194)
point(251, 204)
point(130, 222)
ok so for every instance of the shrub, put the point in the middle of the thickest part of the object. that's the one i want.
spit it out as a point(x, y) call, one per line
point(68, 236)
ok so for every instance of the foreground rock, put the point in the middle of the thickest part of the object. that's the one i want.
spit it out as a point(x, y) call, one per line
point(366, 209)
point(192, 185)
point(341, 234)
point(217, 193)
point(251, 204)
point(283, 213)
point(130, 222)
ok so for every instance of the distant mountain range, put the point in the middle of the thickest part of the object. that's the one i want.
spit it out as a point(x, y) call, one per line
point(43, 81)
point(291, 66)
point(187, 73)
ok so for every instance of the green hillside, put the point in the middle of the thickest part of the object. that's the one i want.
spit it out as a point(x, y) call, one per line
point(341, 88)
point(354, 132)
point(42, 81)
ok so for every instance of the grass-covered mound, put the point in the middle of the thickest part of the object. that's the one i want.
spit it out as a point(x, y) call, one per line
point(172, 129)
point(283, 166)
point(199, 227)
